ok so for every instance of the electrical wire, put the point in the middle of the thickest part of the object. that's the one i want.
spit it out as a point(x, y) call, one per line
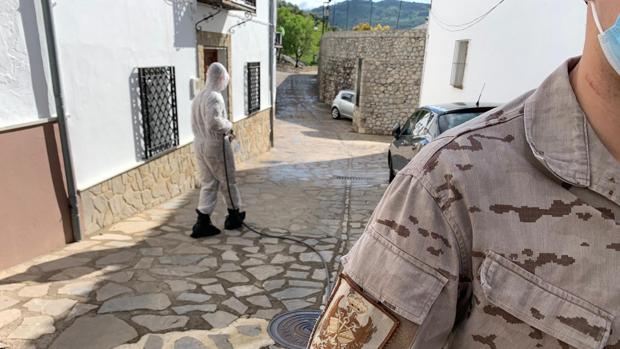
point(464, 26)
point(328, 279)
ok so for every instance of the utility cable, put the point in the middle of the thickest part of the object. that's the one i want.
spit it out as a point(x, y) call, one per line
point(328, 279)
point(464, 26)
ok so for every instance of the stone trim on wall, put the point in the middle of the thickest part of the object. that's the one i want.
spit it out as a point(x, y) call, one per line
point(253, 134)
point(138, 189)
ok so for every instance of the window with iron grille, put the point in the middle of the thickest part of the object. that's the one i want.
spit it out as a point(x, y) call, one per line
point(253, 87)
point(158, 103)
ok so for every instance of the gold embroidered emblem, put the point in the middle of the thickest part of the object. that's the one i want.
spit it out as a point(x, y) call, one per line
point(352, 321)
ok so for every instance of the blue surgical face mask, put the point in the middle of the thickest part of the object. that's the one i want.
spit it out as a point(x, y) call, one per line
point(609, 39)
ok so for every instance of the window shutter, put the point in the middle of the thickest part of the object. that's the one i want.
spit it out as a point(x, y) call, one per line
point(459, 62)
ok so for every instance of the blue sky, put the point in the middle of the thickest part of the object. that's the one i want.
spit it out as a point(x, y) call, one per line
point(310, 4)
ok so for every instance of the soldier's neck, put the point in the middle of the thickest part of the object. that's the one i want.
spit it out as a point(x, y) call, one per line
point(597, 87)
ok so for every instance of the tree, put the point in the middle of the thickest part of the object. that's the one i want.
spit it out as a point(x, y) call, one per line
point(362, 27)
point(366, 27)
point(299, 31)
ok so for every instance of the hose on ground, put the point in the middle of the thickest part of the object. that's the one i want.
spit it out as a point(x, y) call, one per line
point(328, 279)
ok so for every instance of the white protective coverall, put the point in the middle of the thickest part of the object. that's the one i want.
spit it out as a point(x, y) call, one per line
point(211, 128)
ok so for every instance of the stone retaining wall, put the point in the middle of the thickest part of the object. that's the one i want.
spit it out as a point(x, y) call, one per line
point(388, 80)
point(162, 178)
point(390, 92)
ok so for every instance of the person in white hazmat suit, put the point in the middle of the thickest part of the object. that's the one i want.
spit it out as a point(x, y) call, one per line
point(212, 141)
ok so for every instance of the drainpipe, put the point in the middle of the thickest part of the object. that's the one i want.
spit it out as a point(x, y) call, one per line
point(272, 63)
point(50, 37)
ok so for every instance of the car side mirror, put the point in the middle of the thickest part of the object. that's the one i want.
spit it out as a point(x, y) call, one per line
point(396, 130)
point(425, 140)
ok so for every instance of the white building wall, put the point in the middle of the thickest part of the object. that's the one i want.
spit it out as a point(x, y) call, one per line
point(250, 43)
point(24, 92)
point(512, 50)
point(101, 42)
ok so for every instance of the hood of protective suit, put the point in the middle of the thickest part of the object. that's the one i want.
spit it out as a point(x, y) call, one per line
point(217, 77)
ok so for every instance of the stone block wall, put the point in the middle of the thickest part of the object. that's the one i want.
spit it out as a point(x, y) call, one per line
point(138, 189)
point(390, 92)
point(390, 74)
point(336, 73)
point(253, 133)
point(162, 178)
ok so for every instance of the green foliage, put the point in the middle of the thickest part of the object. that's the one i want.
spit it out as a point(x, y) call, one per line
point(361, 27)
point(293, 8)
point(412, 14)
point(366, 27)
point(302, 34)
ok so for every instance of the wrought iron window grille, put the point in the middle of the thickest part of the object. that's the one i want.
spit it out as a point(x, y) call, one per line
point(158, 103)
point(253, 87)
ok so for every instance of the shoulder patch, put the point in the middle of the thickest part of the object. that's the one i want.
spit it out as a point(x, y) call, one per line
point(353, 320)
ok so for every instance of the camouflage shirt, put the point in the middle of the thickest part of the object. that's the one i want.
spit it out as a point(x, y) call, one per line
point(501, 234)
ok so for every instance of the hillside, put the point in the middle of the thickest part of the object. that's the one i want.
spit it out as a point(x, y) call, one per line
point(384, 12)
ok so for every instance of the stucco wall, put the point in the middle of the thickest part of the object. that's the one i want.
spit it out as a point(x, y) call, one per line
point(24, 92)
point(102, 42)
point(390, 74)
point(34, 209)
point(512, 50)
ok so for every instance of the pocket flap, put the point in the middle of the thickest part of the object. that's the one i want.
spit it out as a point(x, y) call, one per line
point(403, 283)
point(543, 306)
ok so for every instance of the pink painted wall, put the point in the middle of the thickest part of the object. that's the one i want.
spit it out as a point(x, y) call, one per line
point(34, 208)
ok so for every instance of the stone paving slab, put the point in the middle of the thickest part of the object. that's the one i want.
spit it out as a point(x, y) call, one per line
point(144, 283)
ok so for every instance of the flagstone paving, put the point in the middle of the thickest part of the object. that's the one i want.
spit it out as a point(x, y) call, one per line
point(144, 283)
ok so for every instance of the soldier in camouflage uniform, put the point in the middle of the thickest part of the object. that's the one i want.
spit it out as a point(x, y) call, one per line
point(503, 233)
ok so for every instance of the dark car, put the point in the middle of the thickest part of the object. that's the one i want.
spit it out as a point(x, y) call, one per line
point(424, 125)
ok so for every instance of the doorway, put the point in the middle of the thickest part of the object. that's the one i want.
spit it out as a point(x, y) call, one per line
point(220, 55)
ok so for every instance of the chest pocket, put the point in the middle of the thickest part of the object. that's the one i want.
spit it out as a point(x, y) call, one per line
point(543, 306)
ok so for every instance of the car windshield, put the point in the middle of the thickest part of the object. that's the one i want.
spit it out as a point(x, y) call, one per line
point(448, 121)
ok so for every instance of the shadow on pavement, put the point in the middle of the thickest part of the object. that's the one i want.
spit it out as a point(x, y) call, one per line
point(146, 275)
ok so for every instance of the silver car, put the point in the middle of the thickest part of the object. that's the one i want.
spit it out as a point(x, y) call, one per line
point(426, 124)
point(344, 104)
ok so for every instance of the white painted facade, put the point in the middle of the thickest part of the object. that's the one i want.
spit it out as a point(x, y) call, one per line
point(100, 45)
point(24, 77)
point(512, 50)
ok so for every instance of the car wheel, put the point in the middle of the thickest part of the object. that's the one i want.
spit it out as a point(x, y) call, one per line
point(335, 113)
point(392, 175)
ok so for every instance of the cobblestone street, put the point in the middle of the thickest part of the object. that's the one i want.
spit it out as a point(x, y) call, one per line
point(144, 283)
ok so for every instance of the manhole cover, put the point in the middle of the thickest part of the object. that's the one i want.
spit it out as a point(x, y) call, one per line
point(292, 330)
point(352, 178)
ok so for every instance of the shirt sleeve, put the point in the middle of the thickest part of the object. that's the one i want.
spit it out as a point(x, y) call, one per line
point(217, 118)
point(408, 263)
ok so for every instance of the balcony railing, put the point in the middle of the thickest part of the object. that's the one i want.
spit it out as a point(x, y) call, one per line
point(241, 5)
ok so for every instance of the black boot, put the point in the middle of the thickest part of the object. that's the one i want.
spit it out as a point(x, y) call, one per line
point(203, 227)
point(234, 220)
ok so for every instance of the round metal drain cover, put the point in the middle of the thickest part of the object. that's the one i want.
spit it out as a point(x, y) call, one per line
point(292, 330)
